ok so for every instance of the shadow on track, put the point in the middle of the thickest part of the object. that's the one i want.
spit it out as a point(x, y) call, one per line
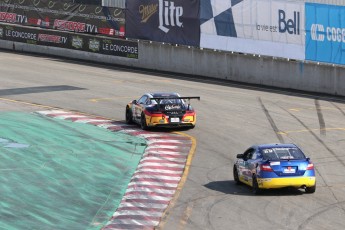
point(230, 187)
point(157, 129)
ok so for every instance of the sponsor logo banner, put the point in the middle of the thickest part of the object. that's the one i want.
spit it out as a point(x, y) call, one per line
point(170, 21)
point(67, 15)
point(266, 27)
point(325, 33)
point(88, 43)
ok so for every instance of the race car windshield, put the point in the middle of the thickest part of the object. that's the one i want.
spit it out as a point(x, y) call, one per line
point(282, 153)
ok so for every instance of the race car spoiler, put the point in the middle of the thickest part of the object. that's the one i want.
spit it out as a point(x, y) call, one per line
point(158, 99)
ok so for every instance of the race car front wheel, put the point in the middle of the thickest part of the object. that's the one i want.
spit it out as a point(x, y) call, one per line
point(236, 178)
point(129, 116)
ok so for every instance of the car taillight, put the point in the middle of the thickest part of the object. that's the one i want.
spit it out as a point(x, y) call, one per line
point(310, 166)
point(189, 111)
point(266, 168)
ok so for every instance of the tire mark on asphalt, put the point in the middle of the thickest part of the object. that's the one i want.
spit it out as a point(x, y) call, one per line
point(218, 200)
point(186, 215)
point(271, 121)
point(326, 147)
point(315, 215)
point(316, 137)
point(208, 223)
point(268, 215)
point(289, 219)
point(213, 205)
point(320, 117)
point(209, 173)
point(319, 140)
point(340, 110)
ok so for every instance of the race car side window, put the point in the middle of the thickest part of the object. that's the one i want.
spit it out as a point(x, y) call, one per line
point(148, 101)
point(256, 155)
point(248, 153)
point(143, 99)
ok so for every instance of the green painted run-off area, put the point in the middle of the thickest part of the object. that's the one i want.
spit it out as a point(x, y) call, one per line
point(57, 174)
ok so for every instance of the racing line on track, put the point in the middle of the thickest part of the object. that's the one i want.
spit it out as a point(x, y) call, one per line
point(156, 179)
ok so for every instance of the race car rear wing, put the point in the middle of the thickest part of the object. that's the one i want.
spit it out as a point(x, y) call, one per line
point(158, 99)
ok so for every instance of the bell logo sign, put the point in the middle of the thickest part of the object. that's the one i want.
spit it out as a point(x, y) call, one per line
point(292, 25)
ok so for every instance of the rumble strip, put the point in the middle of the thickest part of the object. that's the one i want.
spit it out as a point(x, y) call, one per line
point(156, 178)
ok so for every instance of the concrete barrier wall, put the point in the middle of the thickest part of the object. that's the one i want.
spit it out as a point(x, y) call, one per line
point(266, 71)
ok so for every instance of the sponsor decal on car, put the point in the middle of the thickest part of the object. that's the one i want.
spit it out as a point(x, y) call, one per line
point(172, 107)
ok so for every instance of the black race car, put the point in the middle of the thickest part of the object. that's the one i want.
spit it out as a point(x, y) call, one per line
point(161, 110)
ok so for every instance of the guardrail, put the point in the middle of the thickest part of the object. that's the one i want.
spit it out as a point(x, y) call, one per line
point(268, 71)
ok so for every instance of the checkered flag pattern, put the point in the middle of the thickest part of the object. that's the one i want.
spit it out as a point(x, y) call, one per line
point(213, 17)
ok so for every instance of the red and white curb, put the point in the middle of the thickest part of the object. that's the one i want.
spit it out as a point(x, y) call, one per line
point(156, 179)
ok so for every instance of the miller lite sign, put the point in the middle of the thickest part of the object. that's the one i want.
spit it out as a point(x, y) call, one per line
point(170, 21)
point(169, 15)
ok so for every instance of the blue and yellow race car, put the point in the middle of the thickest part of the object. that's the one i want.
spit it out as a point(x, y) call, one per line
point(270, 166)
point(161, 110)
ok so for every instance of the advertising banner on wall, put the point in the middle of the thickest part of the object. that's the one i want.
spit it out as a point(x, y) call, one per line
point(170, 21)
point(325, 33)
point(265, 27)
point(64, 15)
point(82, 42)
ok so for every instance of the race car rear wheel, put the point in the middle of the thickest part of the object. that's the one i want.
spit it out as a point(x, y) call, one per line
point(143, 122)
point(255, 188)
point(236, 178)
point(311, 189)
point(129, 116)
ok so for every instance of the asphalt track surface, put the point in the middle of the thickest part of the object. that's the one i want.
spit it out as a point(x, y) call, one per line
point(231, 117)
